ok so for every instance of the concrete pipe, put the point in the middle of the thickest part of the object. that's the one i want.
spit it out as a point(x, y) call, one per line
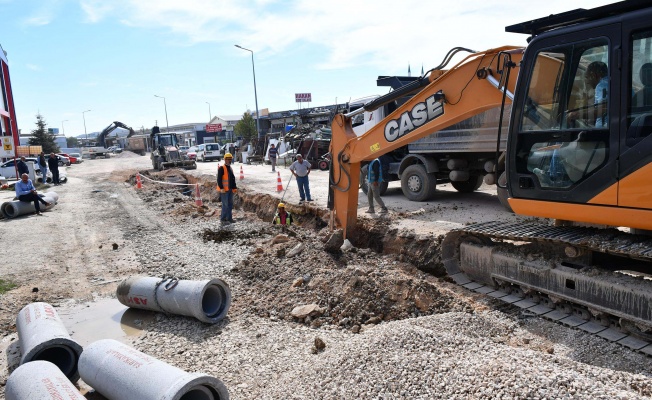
point(40, 380)
point(208, 300)
point(43, 337)
point(119, 372)
point(16, 208)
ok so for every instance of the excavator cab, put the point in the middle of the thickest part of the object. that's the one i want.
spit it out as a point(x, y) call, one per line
point(580, 145)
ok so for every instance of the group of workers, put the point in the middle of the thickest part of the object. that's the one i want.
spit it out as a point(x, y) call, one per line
point(226, 185)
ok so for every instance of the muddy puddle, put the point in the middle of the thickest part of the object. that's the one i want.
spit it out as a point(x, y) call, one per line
point(104, 319)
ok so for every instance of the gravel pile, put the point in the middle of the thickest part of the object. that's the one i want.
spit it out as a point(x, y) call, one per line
point(460, 346)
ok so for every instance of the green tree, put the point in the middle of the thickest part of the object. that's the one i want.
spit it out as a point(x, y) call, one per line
point(41, 137)
point(72, 142)
point(246, 127)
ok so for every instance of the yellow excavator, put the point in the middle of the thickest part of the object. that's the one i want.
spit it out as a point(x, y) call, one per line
point(579, 152)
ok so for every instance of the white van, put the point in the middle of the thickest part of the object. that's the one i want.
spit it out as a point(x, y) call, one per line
point(208, 151)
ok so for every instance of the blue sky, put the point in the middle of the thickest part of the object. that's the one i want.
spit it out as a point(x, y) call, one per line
point(113, 56)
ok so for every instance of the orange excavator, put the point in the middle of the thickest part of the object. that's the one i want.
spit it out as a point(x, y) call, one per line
point(579, 152)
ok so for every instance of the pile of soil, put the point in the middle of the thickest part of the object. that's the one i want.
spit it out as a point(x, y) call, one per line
point(347, 289)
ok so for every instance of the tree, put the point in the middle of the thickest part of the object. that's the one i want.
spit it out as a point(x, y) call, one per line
point(72, 142)
point(246, 127)
point(41, 137)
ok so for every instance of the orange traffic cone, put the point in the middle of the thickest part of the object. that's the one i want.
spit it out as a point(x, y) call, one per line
point(139, 183)
point(198, 201)
point(241, 173)
point(279, 183)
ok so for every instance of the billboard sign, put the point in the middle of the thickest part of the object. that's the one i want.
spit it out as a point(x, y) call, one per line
point(303, 97)
point(8, 150)
point(213, 128)
point(53, 131)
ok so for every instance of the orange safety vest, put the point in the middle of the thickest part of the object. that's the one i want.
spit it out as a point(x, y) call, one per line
point(225, 178)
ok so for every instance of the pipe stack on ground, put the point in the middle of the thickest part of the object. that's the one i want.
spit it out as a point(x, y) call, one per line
point(208, 300)
point(43, 337)
point(16, 208)
point(119, 372)
point(40, 380)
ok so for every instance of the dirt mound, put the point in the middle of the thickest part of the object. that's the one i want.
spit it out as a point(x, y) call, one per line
point(126, 154)
point(348, 289)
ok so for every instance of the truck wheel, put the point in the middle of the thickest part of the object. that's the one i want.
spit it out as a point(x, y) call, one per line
point(417, 184)
point(503, 194)
point(469, 186)
point(323, 165)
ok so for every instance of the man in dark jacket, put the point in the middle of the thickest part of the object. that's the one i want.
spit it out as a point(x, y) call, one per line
point(226, 186)
point(374, 177)
point(22, 167)
point(53, 164)
point(43, 166)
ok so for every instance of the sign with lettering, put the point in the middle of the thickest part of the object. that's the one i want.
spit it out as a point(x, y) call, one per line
point(303, 97)
point(212, 128)
point(8, 150)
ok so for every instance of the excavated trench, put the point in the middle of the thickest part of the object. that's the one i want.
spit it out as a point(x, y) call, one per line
point(422, 251)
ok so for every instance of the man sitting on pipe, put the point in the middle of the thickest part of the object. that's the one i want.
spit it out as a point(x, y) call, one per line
point(26, 192)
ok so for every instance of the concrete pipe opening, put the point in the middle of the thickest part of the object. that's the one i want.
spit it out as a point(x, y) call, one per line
point(10, 211)
point(200, 393)
point(214, 301)
point(61, 356)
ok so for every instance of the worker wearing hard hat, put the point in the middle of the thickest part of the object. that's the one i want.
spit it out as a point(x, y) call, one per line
point(282, 217)
point(227, 187)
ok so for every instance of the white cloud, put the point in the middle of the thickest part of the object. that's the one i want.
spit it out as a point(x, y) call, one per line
point(382, 33)
point(43, 15)
point(33, 67)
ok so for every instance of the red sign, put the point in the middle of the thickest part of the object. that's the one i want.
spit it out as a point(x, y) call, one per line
point(303, 97)
point(212, 128)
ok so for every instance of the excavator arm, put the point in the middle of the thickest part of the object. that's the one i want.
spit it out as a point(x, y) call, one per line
point(479, 82)
point(101, 138)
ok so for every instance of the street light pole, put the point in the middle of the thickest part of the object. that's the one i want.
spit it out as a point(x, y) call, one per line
point(210, 115)
point(255, 93)
point(63, 128)
point(85, 133)
point(166, 112)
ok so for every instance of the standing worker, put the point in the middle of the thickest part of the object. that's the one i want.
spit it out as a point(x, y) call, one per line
point(43, 166)
point(22, 167)
point(374, 176)
point(227, 187)
point(282, 217)
point(301, 169)
point(272, 153)
point(53, 164)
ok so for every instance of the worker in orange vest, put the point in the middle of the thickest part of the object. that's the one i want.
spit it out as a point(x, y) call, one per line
point(226, 186)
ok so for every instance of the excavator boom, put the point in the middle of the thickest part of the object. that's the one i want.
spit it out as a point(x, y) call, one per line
point(478, 83)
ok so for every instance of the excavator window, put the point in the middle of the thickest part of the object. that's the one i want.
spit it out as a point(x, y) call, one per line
point(639, 118)
point(563, 134)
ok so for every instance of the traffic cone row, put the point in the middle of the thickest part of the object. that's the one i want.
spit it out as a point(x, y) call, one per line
point(198, 201)
point(139, 183)
point(241, 173)
point(279, 183)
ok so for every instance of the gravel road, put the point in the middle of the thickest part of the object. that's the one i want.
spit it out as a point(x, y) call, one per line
point(385, 330)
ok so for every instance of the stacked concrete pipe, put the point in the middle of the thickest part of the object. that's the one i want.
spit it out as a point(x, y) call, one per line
point(43, 337)
point(16, 208)
point(208, 300)
point(119, 372)
point(40, 380)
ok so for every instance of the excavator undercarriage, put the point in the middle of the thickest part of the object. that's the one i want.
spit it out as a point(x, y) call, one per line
point(588, 278)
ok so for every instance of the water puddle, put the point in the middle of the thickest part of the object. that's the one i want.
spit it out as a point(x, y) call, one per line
point(104, 319)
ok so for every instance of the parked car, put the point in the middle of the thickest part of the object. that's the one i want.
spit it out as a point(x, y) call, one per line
point(73, 159)
point(191, 153)
point(209, 151)
point(63, 160)
point(78, 158)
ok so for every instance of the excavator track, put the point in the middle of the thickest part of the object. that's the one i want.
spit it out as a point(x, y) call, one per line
point(591, 279)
